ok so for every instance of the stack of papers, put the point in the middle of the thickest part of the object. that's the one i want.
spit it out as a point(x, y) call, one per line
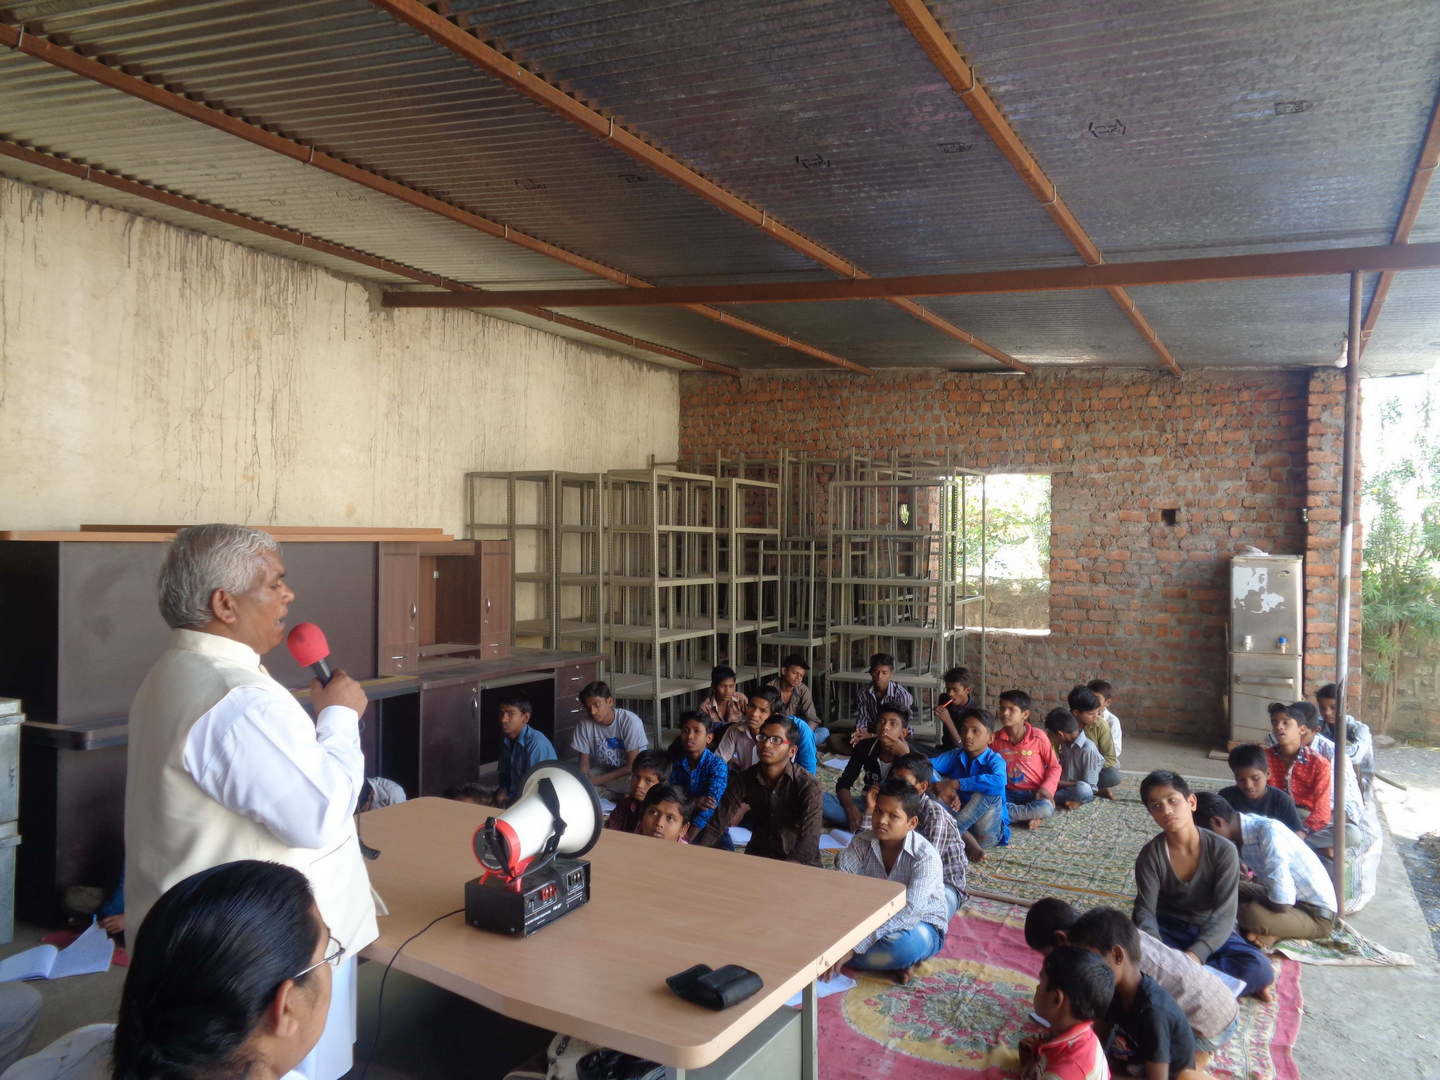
point(836, 763)
point(835, 840)
point(89, 954)
point(824, 988)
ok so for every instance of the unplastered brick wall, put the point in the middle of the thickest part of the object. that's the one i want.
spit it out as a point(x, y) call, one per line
point(1133, 599)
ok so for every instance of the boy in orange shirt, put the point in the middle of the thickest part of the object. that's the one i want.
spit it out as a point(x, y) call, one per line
point(1032, 771)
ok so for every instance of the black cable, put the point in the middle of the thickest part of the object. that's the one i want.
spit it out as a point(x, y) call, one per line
point(380, 997)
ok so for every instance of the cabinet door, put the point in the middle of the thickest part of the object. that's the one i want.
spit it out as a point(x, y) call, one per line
point(569, 681)
point(449, 736)
point(398, 632)
point(496, 567)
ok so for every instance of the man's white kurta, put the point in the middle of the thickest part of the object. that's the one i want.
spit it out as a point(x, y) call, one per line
point(225, 764)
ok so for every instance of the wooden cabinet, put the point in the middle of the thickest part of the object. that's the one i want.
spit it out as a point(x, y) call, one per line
point(398, 622)
point(443, 601)
point(450, 735)
point(569, 681)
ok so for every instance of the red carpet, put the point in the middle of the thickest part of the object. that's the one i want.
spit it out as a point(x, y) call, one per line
point(975, 996)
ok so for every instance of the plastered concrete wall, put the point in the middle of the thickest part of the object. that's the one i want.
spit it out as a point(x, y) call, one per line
point(151, 374)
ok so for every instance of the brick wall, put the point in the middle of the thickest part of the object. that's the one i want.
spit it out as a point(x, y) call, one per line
point(1133, 600)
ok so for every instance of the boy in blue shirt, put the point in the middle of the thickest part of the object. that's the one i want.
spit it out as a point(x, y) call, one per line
point(972, 781)
point(521, 749)
point(698, 771)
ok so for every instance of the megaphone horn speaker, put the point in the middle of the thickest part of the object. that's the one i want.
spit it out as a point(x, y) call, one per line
point(558, 813)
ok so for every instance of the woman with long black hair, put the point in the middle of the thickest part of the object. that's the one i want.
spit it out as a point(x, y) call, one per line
point(229, 978)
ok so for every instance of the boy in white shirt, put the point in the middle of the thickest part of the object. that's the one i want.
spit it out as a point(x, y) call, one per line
point(608, 739)
point(1106, 693)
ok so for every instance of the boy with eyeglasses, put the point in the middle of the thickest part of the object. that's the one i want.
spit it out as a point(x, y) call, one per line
point(783, 800)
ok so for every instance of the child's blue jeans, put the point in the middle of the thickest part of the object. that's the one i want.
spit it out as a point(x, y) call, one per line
point(900, 951)
point(1235, 956)
point(832, 813)
point(981, 815)
point(1028, 805)
point(1076, 792)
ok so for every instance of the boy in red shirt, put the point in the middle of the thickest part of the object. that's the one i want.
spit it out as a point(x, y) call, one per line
point(1032, 770)
point(1075, 989)
point(1305, 773)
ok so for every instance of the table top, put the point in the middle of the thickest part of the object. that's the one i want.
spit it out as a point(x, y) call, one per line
point(655, 909)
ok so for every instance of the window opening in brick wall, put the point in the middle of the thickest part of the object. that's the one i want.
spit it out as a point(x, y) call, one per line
point(1017, 551)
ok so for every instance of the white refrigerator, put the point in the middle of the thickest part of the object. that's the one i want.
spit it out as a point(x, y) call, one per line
point(1267, 609)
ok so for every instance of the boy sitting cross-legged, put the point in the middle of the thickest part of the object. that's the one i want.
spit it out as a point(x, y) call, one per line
point(892, 850)
point(1032, 769)
point(1074, 991)
point(1143, 1026)
point(883, 690)
point(1291, 896)
point(936, 825)
point(522, 747)
point(723, 704)
point(970, 783)
point(1252, 794)
point(698, 772)
point(1208, 1004)
point(1086, 706)
point(1106, 693)
point(1302, 771)
point(959, 696)
point(783, 798)
point(663, 814)
point(1080, 760)
point(1187, 887)
point(651, 767)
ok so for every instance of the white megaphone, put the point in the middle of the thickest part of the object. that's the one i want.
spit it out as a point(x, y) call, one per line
point(530, 852)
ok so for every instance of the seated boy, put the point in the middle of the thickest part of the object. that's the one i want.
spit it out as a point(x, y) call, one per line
point(971, 782)
point(1031, 767)
point(723, 705)
point(1080, 760)
point(698, 772)
point(608, 739)
point(1252, 794)
point(795, 696)
point(1208, 1004)
point(522, 747)
point(936, 825)
point(784, 800)
point(959, 690)
point(1187, 887)
point(1143, 1026)
point(1359, 745)
point(1303, 772)
point(1074, 990)
point(663, 814)
point(883, 690)
point(651, 767)
point(871, 758)
point(1106, 693)
point(1290, 896)
point(738, 743)
point(892, 850)
point(1085, 704)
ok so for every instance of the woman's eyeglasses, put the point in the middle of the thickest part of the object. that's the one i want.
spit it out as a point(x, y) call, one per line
point(333, 952)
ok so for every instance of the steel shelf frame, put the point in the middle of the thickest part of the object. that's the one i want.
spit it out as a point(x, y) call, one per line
point(748, 578)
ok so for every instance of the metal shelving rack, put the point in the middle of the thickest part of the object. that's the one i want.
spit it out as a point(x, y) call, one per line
point(661, 615)
point(900, 580)
point(748, 574)
point(579, 549)
point(520, 507)
point(800, 626)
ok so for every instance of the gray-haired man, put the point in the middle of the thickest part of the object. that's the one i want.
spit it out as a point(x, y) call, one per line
point(225, 764)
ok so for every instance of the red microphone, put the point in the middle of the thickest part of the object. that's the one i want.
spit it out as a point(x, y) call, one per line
point(308, 647)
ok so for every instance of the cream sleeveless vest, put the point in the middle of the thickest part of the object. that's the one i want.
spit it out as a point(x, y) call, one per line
point(174, 829)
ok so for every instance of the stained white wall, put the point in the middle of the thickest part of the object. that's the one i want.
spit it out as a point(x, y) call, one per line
point(153, 375)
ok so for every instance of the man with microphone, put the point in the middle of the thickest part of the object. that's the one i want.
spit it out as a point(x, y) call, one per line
point(225, 764)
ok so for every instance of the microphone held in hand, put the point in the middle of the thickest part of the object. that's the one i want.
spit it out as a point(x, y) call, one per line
point(308, 648)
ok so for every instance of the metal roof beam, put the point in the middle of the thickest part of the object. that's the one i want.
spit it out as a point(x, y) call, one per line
point(1280, 264)
point(155, 93)
point(1409, 210)
point(931, 37)
point(457, 35)
point(108, 179)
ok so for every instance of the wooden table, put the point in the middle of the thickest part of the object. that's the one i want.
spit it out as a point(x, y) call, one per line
point(655, 909)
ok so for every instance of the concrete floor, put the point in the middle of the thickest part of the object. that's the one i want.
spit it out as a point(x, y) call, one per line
point(1358, 1024)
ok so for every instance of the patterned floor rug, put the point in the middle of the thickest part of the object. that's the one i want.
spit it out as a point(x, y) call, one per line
point(961, 1015)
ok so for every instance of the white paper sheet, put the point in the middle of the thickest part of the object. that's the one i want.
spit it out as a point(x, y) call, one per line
point(1234, 985)
point(89, 954)
point(835, 840)
point(738, 836)
point(824, 988)
point(836, 762)
point(31, 964)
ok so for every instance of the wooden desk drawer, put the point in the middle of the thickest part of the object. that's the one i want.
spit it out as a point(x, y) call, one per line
point(570, 680)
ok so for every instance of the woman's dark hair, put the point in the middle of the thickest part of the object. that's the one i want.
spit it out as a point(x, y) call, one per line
point(205, 966)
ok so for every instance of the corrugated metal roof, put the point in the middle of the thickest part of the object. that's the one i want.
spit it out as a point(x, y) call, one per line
point(1245, 128)
point(1407, 337)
